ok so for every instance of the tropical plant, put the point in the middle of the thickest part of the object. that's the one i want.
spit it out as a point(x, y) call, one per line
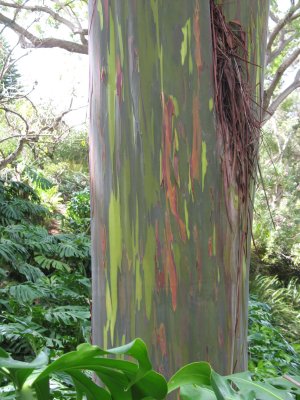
point(9, 75)
point(78, 211)
point(270, 354)
point(127, 380)
point(283, 301)
point(276, 217)
point(45, 289)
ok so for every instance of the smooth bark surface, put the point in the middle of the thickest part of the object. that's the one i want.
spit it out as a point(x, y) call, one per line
point(170, 265)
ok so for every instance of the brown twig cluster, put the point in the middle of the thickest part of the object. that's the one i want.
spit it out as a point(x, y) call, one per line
point(237, 124)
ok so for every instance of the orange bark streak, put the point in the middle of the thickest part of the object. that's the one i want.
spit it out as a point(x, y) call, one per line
point(169, 262)
point(161, 339)
point(195, 158)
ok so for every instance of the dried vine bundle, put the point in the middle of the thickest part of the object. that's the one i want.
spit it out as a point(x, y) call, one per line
point(237, 124)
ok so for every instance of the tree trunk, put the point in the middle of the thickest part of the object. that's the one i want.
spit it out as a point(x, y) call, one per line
point(170, 218)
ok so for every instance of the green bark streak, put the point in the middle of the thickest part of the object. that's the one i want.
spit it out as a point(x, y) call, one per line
point(115, 251)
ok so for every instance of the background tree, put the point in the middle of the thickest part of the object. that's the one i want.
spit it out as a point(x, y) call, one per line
point(173, 147)
point(9, 75)
point(32, 23)
point(282, 57)
point(29, 22)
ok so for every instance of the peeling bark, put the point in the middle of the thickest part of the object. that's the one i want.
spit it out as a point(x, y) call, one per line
point(169, 265)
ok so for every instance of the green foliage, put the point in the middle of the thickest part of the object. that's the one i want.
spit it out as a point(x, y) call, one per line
point(65, 163)
point(45, 291)
point(269, 352)
point(284, 303)
point(276, 228)
point(132, 380)
point(9, 84)
point(78, 211)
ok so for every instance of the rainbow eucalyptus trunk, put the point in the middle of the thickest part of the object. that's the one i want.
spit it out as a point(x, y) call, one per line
point(175, 93)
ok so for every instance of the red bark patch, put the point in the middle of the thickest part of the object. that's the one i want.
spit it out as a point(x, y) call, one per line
point(169, 261)
point(119, 84)
point(160, 279)
point(171, 189)
point(103, 75)
point(210, 247)
point(195, 157)
point(159, 274)
point(161, 339)
point(105, 5)
point(220, 337)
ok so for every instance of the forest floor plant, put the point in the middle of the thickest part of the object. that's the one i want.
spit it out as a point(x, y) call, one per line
point(124, 379)
point(45, 288)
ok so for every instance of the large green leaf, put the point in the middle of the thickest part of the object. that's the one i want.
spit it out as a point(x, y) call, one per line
point(7, 362)
point(117, 383)
point(121, 377)
point(194, 392)
point(289, 383)
point(152, 385)
point(263, 390)
point(138, 350)
point(197, 373)
point(245, 388)
point(223, 389)
point(85, 385)
point(19, 371)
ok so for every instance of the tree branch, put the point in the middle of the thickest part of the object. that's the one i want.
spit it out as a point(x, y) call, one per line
point(281, 24)
point(46, 10)
point(279, 73)
point(35, 42)
point(9, 159)
point(281, 97)
point(282, 45)
point(7, 110)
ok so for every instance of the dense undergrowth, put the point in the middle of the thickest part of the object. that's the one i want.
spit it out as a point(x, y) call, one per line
point(45, 290)
point(45, 277)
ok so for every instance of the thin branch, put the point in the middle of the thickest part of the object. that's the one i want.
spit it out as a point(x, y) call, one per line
point(282, 45)
point(281, 97)
point(46, 10)
point(7, 110)
point(7, 160)
point(279, 73)
point(281, 24)
point(274, 17)
point(11, 137)
point(35, 42)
